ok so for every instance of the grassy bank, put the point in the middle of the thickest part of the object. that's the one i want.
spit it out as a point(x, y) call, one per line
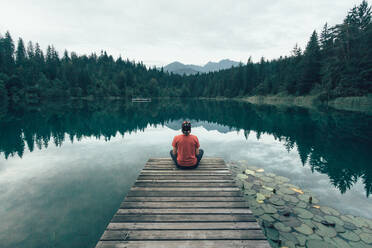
point(360, 104)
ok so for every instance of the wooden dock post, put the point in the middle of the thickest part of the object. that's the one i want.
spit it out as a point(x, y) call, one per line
point(169, 207)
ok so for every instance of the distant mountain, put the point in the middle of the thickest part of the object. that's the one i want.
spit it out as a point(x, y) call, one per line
point(209, 126)
point(179, 68)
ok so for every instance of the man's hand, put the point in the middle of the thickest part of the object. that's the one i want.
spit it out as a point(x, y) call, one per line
point(197, 151)
point(174, 150)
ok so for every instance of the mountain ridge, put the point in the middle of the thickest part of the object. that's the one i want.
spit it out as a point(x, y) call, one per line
point(190, 69)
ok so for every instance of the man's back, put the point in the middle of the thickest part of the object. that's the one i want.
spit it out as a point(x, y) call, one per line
point(186, 146)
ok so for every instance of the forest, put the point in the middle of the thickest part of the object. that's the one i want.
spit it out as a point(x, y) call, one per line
point(337, 62)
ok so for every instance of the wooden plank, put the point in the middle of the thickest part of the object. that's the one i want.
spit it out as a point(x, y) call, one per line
point(184, 211)
point(170, 207)
point(170, 159)
point(183, 218)
point(185, 199)
point(183, 226)
point(185, 244)
point(203, 163)
point(184, 189)
point(184, 177)
point(204, 185)
point(184, 181)
point(173, 172)
point(184, 194)
point(185, 234)
point(183, 205)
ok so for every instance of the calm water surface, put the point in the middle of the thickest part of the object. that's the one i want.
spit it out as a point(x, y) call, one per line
point(64, 169)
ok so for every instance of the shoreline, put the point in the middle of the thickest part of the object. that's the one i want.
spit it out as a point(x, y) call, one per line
point(361, 104)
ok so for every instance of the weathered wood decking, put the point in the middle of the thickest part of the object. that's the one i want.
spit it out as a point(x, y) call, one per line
point(168, 207)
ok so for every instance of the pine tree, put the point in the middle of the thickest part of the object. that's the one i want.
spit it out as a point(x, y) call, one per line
point(311, 65)
point(20, 53)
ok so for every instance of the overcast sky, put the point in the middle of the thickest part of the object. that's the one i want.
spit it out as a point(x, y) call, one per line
point(162, 31)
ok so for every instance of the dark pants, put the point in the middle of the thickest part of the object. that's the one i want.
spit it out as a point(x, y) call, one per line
point(198, 157)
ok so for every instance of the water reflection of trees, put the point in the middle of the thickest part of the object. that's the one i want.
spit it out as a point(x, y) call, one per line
point(334, 143)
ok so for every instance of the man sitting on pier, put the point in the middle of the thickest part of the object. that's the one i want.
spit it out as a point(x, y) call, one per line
point(186, 153)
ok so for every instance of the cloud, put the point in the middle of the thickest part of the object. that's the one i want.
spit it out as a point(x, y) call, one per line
point(159, 32)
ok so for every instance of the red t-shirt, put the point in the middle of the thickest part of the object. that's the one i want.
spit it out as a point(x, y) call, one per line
point(186, 146)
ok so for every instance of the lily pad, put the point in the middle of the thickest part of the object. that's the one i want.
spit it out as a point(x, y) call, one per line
point(318, 218)
point(341, 242)
point(297, 190)
point(301, 238)
point(303, 213)
point(260, 170)
point(241, 176)
point(333, 219)
point(292, 222)
point(282, 179)
point(271, 233)
point(267, 179)
point(305, 198)
point(269, 209)
point(258, 212)
point(267, 218)
point(340, 229)
point(281, 227)
point(250, 192)
point(366, 237)
point(250, 172)
point(301, 204)
point(325, 231)
point(349, 235)
point(362, 221)
point(268, 188)
point(248, 185)
point(288, 237)
point(270, 174)
point(329, 211)
point(285, 190)
point(290, 198)
point(305, 229)
point(260, 197)
point(276, 201)
point(313, 243)
point(350, 226)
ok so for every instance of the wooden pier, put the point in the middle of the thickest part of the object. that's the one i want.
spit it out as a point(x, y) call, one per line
point(169, 207)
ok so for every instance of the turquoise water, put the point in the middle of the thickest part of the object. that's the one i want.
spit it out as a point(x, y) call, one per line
point(65, 168)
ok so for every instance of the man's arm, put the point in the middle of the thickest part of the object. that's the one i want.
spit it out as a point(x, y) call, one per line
point(174, 150)
point(197, 151)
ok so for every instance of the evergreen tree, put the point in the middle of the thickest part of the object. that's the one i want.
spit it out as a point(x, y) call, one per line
point(311, 65)
point(20, 53)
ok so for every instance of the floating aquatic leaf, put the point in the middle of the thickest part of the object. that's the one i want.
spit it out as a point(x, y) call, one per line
point(305, 229)
point(267, 188)
point(334, 219)
point(366, 237)
point(260, 201)
point(350, 235)
point(260, 197)
point(260, 170)
point(250, 172)
point(329, 211)
point(297, 190)
point(313, 243)
point(316, 206)
point(303, 213)
point(325, 231)
point(281, 227)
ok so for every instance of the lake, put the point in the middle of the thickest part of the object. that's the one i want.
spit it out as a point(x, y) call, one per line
point(65, 168)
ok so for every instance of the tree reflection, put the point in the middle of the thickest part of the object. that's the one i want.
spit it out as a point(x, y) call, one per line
point(335, 143)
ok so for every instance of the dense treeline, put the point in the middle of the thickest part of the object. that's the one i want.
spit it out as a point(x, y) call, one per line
point(336, 63)
point(344, 158)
